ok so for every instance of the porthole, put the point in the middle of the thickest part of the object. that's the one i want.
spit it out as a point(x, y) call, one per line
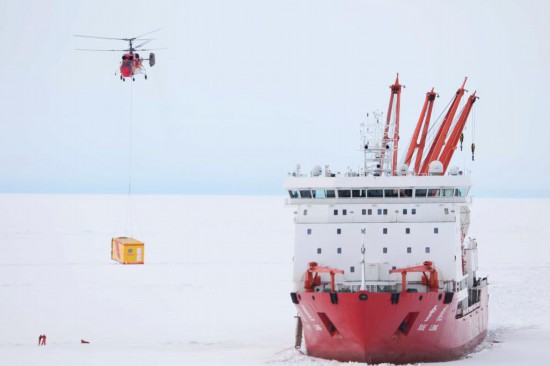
point(363, 297)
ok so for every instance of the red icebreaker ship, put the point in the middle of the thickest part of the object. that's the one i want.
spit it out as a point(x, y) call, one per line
point(384, 270)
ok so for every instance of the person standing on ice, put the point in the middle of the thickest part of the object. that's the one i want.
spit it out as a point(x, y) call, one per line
point(43, 339)
point(40, 339)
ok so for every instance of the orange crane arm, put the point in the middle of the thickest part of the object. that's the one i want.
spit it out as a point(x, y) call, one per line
point(432, 281)
point(312, 278)
point(395, 94)
point(437, 144)
point(452, 142)
point(423, 124)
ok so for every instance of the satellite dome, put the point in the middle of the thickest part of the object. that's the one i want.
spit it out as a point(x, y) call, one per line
point(454, 170)
point(316, 171)
point(435, 168)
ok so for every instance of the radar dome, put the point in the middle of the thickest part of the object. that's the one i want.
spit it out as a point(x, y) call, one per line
point(316, 171)
point(454, 170)
point(435, 168)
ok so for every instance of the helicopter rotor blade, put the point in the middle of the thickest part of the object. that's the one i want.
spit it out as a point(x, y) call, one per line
point(142, 44)
point(89, 49)
point(83, 36)
point(152, 49)
point(156, 30)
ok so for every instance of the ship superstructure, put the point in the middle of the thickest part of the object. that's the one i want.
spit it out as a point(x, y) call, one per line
point(384, 270)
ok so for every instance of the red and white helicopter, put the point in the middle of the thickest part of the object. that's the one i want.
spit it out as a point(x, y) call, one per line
point(132, 62)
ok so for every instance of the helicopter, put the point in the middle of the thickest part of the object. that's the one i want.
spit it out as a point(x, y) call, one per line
point(132, 62)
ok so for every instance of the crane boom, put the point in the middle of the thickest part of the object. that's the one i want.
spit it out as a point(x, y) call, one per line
point(452, 142)
point(422, 125)
point(395, 94)
point(439, 141)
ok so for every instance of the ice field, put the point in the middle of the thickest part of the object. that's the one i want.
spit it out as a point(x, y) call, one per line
point(215, 286)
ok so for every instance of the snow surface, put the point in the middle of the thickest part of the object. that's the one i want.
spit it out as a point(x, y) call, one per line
point(215, 286)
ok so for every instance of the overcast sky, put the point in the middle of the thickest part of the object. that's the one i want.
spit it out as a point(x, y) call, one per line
point(248, 89)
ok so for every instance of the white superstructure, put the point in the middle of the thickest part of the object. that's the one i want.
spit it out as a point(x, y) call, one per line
point(407, 220)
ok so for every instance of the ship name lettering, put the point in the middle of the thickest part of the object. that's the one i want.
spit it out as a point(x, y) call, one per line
point(440, 317)
point(434, 309)
point(433, 328)
point(422, 327)
point(309, 317)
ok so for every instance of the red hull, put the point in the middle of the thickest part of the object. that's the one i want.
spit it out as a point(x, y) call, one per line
point(415, 327)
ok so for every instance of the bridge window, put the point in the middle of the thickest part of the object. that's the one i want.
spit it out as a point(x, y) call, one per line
point(461, 192)
point(344, 193)
point(447, 192)
point(293, 194)
point(433, 192)
point(420, 192)
point(305, 193)
point(359, 193)
point(330, 193)
point(391, 193)
point(319, 193)
point(375, 193)
point(406, 193)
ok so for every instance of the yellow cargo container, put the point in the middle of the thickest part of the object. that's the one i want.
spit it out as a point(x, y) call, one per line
point(127, 250)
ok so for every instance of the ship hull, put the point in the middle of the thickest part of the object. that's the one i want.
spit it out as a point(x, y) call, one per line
point(384, 327)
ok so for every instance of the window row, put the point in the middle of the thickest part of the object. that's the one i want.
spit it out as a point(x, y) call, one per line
point(384, 230)
point(384, 250)
point(378, 193)
point(369, 211)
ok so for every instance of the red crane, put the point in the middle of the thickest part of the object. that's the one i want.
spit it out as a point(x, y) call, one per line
point(432, 281)
point(451, 144)
point(439, 141)
point(312, 278)
point(395, 94)
point(424, 124)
